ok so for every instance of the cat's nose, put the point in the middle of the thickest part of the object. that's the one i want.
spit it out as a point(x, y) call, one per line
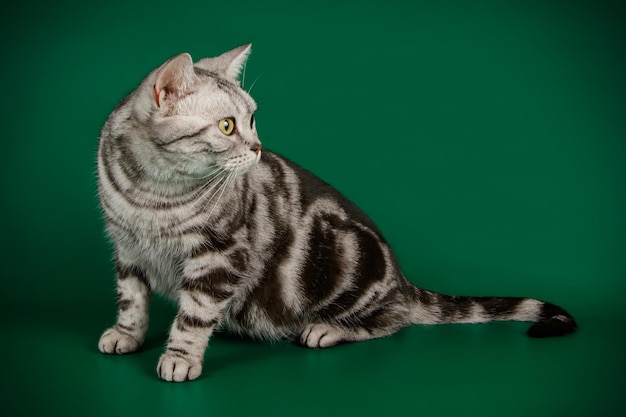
point(256, 148)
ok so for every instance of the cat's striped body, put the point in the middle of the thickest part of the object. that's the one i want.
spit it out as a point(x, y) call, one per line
point(251, 243)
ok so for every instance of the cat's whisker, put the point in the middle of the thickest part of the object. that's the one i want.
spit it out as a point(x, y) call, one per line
point(213, 181)
point(209, 204)
point(257, 79)
point(225, 185)
point(210, 176)
point(208, 188)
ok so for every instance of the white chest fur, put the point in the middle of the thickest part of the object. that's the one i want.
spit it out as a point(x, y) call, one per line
point(159, 242)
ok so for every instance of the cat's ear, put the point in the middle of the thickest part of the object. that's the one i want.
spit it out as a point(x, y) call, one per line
point(173, 77)
point(229, 63)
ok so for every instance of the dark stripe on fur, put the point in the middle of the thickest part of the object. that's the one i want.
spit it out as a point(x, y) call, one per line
point(213, 242)
point(456, 308)
point(217, 284)
point(228, 87)
point(278, 185)
point(372, 265)
point(317, 188)
point(266, 294)
point(129, 165)
point(178, 351)
point(323, 268)
point(424, 297)
point(124, 303)
point(164, 145)
point(124, 272)
point(133, 172)
point(124, 328)
point(499, 307)
point(194, 322)
point(370, 269)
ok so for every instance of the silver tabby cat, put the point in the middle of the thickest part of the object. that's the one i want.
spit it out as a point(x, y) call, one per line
point(246, 240)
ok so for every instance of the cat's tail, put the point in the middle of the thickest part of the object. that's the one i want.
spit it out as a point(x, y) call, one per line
point(434, 308)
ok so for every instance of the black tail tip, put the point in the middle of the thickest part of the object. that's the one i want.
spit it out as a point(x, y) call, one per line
point(559, 325)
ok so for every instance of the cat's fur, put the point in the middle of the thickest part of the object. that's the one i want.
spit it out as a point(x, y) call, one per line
point(245, 240)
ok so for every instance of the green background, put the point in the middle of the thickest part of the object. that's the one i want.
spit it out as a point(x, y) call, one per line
point(486, 139)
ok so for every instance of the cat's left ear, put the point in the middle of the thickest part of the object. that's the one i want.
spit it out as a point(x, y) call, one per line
point(229, 63)
point(174, 77)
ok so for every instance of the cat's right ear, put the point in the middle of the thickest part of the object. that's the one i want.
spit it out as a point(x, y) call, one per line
point(173, 78)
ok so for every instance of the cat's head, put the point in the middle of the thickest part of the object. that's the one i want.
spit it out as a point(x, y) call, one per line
point(194, 118)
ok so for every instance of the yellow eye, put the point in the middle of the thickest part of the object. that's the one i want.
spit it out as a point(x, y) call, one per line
point(227, 126)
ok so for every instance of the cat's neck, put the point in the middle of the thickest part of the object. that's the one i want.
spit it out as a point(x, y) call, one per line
point(205, 187)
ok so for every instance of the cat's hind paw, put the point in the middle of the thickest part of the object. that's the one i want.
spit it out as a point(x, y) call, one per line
point(114, 342)
point(175, 368)
point(321, 336)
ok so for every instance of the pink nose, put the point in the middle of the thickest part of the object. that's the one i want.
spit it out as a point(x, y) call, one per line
point(256, 148)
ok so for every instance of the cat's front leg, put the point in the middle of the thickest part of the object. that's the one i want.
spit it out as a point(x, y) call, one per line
point(134, 295)
point(202, 301)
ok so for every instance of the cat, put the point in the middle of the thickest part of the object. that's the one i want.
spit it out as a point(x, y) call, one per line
point(244, 240)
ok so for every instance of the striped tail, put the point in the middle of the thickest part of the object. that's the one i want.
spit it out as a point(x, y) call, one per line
point(434, 308)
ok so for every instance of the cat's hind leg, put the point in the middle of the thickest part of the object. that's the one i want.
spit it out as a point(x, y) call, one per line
point(382, 316)
point(323, 335)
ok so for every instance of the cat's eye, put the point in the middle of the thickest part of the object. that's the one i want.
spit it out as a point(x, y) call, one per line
point(252, 121)
point(227, 126)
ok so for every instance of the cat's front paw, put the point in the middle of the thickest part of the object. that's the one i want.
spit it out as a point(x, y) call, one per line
point(178, 369)
point(113, 341)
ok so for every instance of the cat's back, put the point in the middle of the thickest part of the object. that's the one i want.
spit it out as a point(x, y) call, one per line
point(308, 193)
